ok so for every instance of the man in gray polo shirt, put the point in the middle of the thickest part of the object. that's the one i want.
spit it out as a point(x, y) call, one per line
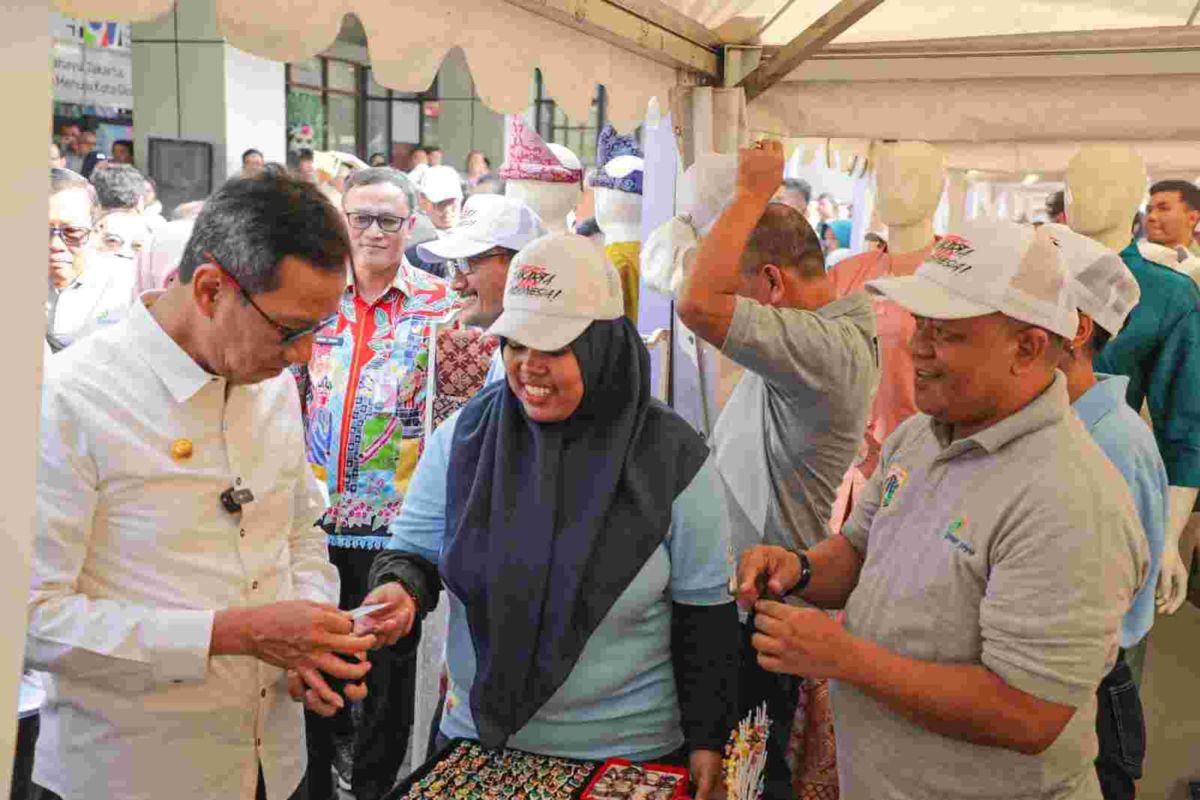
point(987, 565)
point(758, 290)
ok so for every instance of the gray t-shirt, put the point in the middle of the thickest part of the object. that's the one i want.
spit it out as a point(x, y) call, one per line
point(793, 424)
point(1017, 548)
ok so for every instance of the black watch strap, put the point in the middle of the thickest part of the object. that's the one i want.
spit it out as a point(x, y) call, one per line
point(805, 574)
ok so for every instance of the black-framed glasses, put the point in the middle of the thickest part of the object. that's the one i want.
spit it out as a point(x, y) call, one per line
point(467, 265)
point(288, 334)
point(387, 223)
point(73, 235)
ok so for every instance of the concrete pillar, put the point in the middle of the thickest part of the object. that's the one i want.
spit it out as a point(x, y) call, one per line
point(188, 83)
point(25, 59)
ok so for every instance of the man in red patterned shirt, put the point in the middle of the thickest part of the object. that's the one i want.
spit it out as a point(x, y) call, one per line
point(363, 435)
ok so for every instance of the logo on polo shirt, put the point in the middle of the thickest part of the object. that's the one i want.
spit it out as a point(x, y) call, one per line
point(535, 281)
point(951, 536)
point(896, 478)
point(951, 252)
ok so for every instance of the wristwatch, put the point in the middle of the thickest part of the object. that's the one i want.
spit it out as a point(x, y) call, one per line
point(805, 573)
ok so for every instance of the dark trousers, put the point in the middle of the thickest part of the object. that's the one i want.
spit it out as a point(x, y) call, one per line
point(1121, 729)
point(22, 787)
point(381, 738)
point(781, 693)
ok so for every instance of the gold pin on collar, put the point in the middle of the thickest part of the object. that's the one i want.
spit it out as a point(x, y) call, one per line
point(181, 449)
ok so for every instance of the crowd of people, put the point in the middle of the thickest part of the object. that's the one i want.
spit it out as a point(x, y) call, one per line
point(277, 433)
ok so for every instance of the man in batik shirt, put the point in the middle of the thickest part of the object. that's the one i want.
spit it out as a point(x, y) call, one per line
point(364, 429)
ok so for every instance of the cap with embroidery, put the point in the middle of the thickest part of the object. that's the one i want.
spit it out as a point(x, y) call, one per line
point(487, 221)
point(1103, 286)
point(557, 286)
point(988, 268)
point(531, 159)
point(440, 183)
point(621, 162)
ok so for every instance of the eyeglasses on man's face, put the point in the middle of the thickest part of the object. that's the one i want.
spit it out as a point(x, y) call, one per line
point(72, 235)
point(388, 223)
point(468, 265)
point(287, 334)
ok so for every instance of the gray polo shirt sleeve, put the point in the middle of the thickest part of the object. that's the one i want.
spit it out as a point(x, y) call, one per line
point(1048, 627)
point(790, 347)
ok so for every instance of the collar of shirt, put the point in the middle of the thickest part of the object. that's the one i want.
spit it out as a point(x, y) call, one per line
point(1097, 402)
point(182, 376)
point(1044, 410)
point(409, 280)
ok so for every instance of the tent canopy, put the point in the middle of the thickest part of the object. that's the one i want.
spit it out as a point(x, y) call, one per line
point(940, 70)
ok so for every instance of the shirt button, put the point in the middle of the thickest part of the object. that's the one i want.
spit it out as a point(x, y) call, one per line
point(237, 482)
point(254, 584)
point(263, 693)
point(242, 533)
point(258, 742)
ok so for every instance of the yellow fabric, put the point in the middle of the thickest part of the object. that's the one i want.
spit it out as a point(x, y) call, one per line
point(626, 257)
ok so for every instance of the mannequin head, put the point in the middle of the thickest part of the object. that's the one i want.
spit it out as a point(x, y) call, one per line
point(546, 177)
point(551, 201)
point(1105, 185)
point(618, 190)
point(909, 178)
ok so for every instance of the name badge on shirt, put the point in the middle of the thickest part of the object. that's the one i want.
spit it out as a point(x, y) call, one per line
point(332, 341)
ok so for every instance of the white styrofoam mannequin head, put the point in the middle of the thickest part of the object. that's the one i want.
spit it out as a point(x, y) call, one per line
point(619, 215)
point(1105, 186)
point(552, 201)
point(909, 178)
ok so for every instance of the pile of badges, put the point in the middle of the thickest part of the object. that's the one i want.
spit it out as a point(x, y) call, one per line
point(469, 772)
point(620, 780)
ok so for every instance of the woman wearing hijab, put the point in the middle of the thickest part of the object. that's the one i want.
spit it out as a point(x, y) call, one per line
point(579, 527)
point(835, 236)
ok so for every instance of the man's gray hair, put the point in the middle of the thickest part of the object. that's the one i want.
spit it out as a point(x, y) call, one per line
point(373, 176)
point(62, 180)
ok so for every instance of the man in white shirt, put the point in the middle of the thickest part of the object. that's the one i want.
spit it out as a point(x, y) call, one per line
point(87, 290)
point(180, 590)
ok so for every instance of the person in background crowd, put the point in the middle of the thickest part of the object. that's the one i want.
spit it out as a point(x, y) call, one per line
point(490, 184)
point(835, 236)
point(441, 200)
point(478, 167)
point(875, 242)
point(796, 193)
point(122, 151)
point(435, 155)
point(987, 565)
point(68, 142)
point(87, 151)
point(88, 290)
point(419, 157)
point(122, 228)
point(595, 585)
point(1172, 216)
point(190, 210)
point(479, 251)
point(56, 157)
point(192, 645)
point(378, 160)
point(160, 259)
point(253, 162)
point(1056, 208)
point(827, 207)
point(152, 207)
point(364, 435)
point(1105, 292)
point(305, 166)
point(758, 290)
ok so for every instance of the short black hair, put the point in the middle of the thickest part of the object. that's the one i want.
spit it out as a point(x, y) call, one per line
point(1056, 203)
point(62, 180)
point(799, 186)
point(304, 154)
point(1100, 337)
point(275, 168)
point(784, 238)
point(431, 149)
point(126, 143)
point(372, 176)
point(250, 225)
point(119, 187)
point(826, 196)
point(252, 152)
point(1188, 191)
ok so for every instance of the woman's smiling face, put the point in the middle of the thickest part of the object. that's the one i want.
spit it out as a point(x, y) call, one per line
point(549, 385)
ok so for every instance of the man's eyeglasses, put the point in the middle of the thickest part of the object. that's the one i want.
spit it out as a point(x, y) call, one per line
point(288, 335)
point(73, 235)
point(466, 266)
point(386, 222)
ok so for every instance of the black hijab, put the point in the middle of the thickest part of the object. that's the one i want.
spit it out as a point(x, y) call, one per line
point(548, 524)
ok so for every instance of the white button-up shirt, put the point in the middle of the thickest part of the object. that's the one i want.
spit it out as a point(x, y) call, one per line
point(134, 553)
point(102, 295)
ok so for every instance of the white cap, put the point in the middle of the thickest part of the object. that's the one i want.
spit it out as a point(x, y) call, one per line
point(487, 221)
point(556, 288)
point(1103, 286)
point(990, 267)
point(441, 183)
